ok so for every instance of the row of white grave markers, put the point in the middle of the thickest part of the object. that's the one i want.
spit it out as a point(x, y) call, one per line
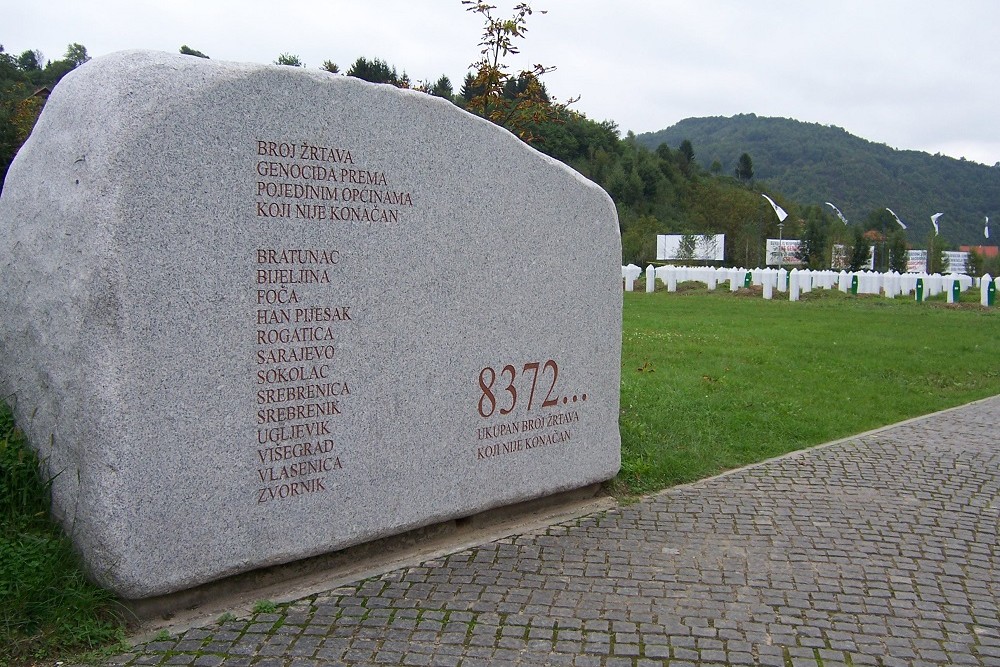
point(797, 281)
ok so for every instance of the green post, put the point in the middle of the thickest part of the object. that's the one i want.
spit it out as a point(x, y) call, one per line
point(854, 285)
point(956, 291)
point(920, 290)
point(991, 293)
point(748, 281)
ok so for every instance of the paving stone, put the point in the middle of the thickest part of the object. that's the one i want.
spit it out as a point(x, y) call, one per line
point(657, 651)
point(889, 513)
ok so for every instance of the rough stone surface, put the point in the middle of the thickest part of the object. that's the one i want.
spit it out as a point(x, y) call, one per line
point(879, 550)
point(255, 313)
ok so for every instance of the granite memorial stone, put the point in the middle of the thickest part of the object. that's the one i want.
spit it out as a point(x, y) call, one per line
point(253, 314)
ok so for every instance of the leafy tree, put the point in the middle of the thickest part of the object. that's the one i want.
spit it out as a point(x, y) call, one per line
point(12, 109)
point(744, 168)
point(814, 242)
point(188, 51)
point(719, 206)
point(881, 220)
point(936, 247)
point(470, 89)
point(877, 241)
point(525, 84)
point(9, 70)
point(76, 54)
point(686, 151)
point(625, 186)
point(650, 175)
point(20, 106)
point(974, 263)
point(578, 141)
point(517, 102)
point(54, 71)
point(289, 59)
point(897, 251)
point(639, 238)
point(30, 60)
point(330, 67)
point(979, 264)
point(377, 71)
point(442, 88)
point(990, 265)
point(859, 252)
point(25, 115)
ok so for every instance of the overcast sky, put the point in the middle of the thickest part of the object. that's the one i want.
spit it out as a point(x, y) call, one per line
point(912, 74)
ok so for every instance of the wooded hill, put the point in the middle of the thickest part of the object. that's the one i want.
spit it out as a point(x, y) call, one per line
point(813, 164)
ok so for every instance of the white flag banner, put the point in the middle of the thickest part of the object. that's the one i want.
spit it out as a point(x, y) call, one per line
point(986, 229)
point(896, 216)
point(837, 210)
point(934, 221)
point(778, 211)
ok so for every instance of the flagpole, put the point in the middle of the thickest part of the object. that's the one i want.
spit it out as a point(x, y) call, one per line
point(781, 248)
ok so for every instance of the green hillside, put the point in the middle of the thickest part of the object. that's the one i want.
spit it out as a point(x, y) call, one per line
point(813, 164)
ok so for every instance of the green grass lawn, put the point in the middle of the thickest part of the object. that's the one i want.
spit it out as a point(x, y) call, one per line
point(47, 607)
point(716, 380)
point(710, 381)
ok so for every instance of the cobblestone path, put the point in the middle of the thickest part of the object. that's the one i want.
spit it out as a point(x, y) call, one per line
point(879, 550)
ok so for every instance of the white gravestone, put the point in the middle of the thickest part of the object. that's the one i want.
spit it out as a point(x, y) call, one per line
point(197, 331)
point(630, 274)
point(671, 279)
point(782, 279)
point(794, 285)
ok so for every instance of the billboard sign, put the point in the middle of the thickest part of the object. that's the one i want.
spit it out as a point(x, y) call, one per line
point(783, 251)
point(956, 262)
point(916, 261)
point(691, 247)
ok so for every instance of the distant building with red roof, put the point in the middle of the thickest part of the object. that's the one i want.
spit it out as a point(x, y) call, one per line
point(982, 250)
